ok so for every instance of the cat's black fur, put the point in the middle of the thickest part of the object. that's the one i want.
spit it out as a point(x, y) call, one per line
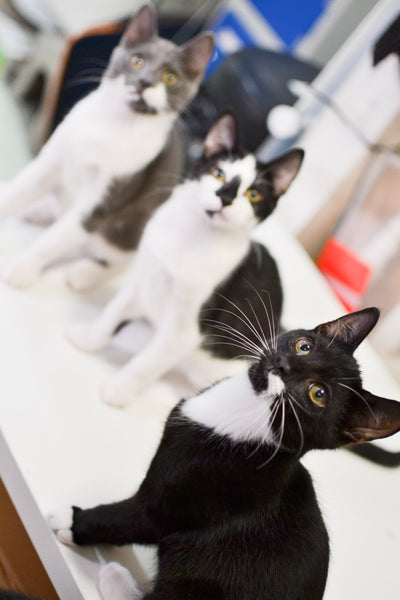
point(239, 520)
point(254, 288)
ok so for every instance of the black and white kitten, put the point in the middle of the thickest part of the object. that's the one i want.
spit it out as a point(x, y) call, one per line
point(196, 265)
point(226, 499)
point(113, 160)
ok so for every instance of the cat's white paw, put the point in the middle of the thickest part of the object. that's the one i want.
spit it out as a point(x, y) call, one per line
point(116, 394)
point(115, 582)
point(85, 274)
point(61, 523)
point(86, 336)
point(21, 273)
point(40, 215)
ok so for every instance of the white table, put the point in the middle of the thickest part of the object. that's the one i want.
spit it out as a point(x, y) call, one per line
point(70, 448)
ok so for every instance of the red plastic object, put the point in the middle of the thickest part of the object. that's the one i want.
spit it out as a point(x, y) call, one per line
point(346, 272)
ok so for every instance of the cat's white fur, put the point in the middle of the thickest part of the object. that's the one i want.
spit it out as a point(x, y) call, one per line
point(116, 583)
point(61, 522)
point(100, 139)
point(232, 408)
point(183, 255)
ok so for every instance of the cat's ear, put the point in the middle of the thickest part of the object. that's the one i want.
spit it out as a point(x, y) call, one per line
point(352, 328)
point(141, 28)
point(196, 54)
point(223, 136)
point(373, 418)
point(284, 169)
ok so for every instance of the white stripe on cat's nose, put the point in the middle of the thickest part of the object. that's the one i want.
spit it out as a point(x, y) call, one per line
point(275, 385)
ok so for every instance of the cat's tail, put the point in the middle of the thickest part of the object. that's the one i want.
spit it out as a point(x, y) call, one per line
point(377, 455)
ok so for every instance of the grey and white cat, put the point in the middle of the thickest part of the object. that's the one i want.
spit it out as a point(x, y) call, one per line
point(192, 267)
point(112, 161)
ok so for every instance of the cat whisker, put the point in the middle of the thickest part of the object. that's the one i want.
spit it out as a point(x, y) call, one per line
point(359, 396)
point(299, 405)
point(183, 126)
point(299, 426)
point(265, 342)
point(269, 316)
point(241, 315)
point(270, 415)
point(81, 81)
point(280, 404)
point(226, 328)
point(229, 342)
point(237, 335)
point(334, 337)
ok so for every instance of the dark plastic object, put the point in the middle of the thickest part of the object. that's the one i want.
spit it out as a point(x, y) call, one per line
point(250, 83)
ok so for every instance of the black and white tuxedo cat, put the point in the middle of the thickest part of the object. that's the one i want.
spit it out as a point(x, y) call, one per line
point(113, 159)
point(226, 499)
point(197, 267)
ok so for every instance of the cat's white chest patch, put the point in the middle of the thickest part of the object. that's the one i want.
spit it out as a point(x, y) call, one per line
point(231, 407)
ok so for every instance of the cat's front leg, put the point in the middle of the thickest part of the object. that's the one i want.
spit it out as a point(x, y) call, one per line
point(116, 583)
point(37, 179)
point(127, 522)
point(52, 245)
point(103, 261)
point(173, 342)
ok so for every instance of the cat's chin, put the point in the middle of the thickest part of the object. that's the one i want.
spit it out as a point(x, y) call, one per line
point(141, 107)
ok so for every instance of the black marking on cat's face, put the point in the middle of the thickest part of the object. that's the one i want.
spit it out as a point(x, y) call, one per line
point(323, 403)
point(146, 61)
point(260, 184)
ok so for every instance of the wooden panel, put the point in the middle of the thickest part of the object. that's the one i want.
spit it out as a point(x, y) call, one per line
point(20, 566)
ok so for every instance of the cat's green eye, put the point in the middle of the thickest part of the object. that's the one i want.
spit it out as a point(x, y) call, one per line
point(318, 394)
point(218, 174)
point(170, 78)
point(137, 61)
point(304, 346)
point(253, 195)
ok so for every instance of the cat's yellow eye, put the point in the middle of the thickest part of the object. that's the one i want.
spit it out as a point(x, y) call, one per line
point(137, 61)
point(218, 174)
point(304, 346)
point(170, 78)
point(318, 394)
point(253, 195)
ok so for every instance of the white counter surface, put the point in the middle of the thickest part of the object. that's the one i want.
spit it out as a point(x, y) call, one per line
point(72, 449)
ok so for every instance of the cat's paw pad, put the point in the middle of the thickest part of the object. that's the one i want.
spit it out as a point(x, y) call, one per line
point(20, 273)
point(61, 523)
point(116, 395)
point(86, 337)
point(85, 274)
point(116, 582)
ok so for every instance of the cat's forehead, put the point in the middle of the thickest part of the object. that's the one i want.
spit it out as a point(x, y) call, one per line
point(245, 167)
point(158, 51)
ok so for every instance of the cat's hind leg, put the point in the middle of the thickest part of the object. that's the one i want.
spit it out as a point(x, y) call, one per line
point(103, 261)
point(116, 583)
point(45, 211)
point(96, 335)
